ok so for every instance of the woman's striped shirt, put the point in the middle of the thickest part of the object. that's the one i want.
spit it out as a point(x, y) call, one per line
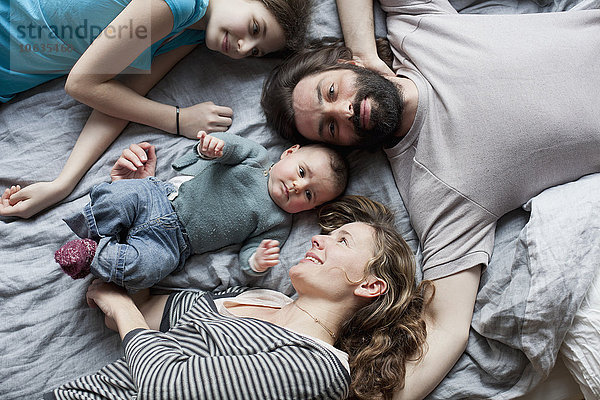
point(206, 355)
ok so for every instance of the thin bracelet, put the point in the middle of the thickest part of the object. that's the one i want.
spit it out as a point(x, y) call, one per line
point(177, 111)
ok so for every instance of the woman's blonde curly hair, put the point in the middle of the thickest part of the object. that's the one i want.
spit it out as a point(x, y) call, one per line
point(382, 336)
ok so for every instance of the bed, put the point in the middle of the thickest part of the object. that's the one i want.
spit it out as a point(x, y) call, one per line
point(544, 258)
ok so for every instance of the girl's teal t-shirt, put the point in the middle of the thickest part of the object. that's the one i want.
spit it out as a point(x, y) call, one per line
point(42, 39)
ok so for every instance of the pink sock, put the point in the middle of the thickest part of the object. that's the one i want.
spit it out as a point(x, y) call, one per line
point(76, 256)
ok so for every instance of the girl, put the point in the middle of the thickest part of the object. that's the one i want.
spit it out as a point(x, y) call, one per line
point(40, 41)
point(356, 291)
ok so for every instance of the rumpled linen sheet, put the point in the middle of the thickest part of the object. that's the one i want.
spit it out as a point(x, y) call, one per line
point(48, 335)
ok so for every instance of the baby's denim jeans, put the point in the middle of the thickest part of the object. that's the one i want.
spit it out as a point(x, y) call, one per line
point(140, 239)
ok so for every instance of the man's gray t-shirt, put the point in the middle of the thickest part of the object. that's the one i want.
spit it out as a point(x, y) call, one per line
point(508, 105)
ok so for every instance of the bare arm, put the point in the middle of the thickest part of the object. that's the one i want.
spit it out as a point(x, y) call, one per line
point(138, 161)
point(116, 305)
point(98, 133)
point(124, 313)
point(448, 318)
point(356, 17)
point(92, 82)
point(91, 78)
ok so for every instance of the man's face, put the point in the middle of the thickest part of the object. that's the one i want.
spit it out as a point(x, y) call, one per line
point(339, 106)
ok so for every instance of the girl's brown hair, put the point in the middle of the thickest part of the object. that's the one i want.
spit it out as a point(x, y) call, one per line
point(293, 16)
point(382, 336)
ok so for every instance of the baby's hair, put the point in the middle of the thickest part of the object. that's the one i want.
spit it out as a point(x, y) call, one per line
point(293, 16)
point(337, 163)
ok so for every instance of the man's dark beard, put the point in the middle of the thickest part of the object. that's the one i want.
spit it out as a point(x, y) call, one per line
point(386, 107)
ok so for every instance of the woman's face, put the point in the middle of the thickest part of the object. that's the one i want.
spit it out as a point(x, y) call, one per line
point(242, 28)
point(335, 261)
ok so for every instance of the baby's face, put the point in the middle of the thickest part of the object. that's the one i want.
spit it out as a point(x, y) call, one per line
point(302, 179)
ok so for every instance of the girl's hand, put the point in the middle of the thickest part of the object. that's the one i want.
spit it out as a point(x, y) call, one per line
point(266, 255)
point(210, 146)
point(17, 202)
point(136, 162)
point(204, 117)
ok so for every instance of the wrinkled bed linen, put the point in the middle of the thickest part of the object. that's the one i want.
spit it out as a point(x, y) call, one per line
point(527, 302)
point(48, 334)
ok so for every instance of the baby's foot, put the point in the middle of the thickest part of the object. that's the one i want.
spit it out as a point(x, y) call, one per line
point(76, 256)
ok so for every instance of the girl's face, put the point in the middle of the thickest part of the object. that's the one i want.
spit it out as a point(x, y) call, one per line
point(336, 263)
point(242, 28)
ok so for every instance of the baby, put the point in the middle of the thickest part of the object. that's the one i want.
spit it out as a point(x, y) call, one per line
point(137, 231)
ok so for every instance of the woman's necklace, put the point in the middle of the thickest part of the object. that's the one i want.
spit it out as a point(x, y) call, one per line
point(329, 331)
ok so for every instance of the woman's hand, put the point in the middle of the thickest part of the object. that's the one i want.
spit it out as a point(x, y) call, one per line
point(28, 201)
point(119, 309)
point(108, 297)
point(136, 162)
point(206, 117)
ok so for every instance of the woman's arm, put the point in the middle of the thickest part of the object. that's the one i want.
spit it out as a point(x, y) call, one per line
point(220, 360)
point(122, 312)
point(98, 133)
point(116, 306)
point(356, 17)
point(448, 319)
point(215, 359)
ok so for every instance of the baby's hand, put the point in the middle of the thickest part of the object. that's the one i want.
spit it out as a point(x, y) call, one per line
point(266, 255)
point(210, 146)
point(136, 162)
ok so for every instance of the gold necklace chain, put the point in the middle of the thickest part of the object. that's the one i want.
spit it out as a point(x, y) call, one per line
point(329, 331)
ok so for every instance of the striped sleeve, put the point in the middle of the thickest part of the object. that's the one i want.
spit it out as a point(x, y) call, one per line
point(178, 304)
point(210, 356)
point(161, 368)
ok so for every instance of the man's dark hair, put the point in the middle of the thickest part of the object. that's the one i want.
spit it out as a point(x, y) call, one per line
point(277, 100)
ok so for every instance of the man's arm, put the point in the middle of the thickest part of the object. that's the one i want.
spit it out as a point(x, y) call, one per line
point(356, 18)
point(448, 319)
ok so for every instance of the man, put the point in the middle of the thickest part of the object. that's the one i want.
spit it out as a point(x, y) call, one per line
point(484, 112)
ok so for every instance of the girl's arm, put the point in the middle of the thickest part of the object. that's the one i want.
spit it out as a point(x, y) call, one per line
point(98, 133)
point(448, 319)
point(91, 78)
point(356, 17)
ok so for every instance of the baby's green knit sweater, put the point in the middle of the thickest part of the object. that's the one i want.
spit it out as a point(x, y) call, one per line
point(227, 201)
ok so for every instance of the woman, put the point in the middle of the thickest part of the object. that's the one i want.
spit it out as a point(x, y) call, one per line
point(94, 41)
point(356, 291)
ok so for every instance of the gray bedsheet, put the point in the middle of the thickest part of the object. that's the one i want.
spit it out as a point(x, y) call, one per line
point(47, 333)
